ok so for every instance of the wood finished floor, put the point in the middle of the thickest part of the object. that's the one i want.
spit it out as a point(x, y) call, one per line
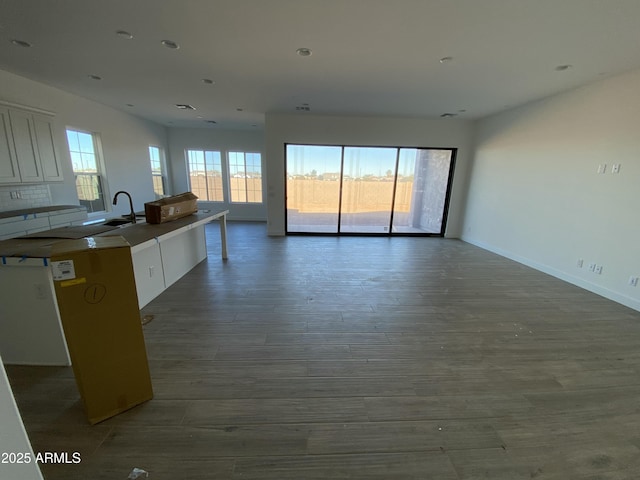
point(362, 358)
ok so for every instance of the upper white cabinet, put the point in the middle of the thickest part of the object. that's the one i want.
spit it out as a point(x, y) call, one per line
point(9, 172)
point(26, 145)
point(28, 152)
point(49, 158)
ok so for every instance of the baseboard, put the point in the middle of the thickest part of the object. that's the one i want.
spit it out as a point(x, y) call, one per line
point(577, 281)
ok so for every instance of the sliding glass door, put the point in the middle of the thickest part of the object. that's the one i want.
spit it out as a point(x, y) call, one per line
point(313, 188)
point(422, 190)
point(367, 190)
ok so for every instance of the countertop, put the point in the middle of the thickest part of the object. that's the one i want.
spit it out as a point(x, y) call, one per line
point(30, 211)
point(135, 234)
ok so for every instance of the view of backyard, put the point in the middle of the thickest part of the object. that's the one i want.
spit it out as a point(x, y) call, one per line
point(366, 189)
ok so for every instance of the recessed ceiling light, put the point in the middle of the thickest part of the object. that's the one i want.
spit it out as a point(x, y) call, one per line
point(21, 43)
point(211, 121)
point(170, 44)
point(254, 125)
point(124, 34)
point(461, 110)
point(94, 77)
point(446, 59)
point(239, 109)
point(448, 115)
point(304, 52)
point(185, 106)
point(208, 81)
point(130, 105)
point(562, 68)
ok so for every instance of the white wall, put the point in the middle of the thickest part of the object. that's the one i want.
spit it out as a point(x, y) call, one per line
point(364, 131)
point(13, 437)
point(125, 138)
point(535, 195)
point(182, 139)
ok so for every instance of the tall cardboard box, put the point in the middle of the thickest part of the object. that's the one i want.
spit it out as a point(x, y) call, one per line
point(98, 303)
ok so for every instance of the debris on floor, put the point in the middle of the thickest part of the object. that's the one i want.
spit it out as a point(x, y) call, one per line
point(147, 318)
point(137, 473)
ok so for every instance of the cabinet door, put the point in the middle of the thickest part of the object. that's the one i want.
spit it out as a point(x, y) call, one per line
point(9, 172)
point(147, 269)
point(24, 140)
point(49, 159)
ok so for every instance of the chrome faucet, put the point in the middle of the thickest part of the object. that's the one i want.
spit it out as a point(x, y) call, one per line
point(132, 216)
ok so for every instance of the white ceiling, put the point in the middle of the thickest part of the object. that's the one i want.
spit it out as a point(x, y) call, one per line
point(370, 57)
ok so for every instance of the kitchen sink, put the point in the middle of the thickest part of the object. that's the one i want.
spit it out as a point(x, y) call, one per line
point(117, 222)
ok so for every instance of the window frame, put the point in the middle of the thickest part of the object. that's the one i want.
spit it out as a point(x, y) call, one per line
point(163, 178)
point(101, 171)
point(245, 176)
point(204, 151)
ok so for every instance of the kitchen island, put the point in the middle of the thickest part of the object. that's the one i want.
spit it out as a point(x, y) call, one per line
point(30, 327)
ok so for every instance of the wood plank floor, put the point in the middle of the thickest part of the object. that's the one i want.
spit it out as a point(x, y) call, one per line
point(363, 358)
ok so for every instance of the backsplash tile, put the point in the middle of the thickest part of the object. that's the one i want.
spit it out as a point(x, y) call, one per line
point(31, 196)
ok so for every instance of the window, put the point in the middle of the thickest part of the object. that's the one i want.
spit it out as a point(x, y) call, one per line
point(155, 155)
point(245, 177)
point(205, 175)
point(86, 165)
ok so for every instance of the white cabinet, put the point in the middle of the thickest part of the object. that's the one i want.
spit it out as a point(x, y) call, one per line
point(147, 268)
point(161, 262)
point(9, 172)
point(30, 331)
point(22, 225)
point(49, 158)
point(27, 223)
point(28, 152)
point(180, 253)
point(26, 146)
point(61, 218)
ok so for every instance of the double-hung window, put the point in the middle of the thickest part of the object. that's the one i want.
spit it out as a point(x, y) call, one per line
point(205, 175)
point(87, 168)
point(245, 177)
point(155, 155)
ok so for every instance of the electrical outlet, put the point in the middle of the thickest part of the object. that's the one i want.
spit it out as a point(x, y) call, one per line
point(592, 267)
point(602, 168)
point(598, 269)
point(615, 168)
point(15, 195)
point(633, 281)
point(579, 263)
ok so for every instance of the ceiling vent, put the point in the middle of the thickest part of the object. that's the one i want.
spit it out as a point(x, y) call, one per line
point(185, 106)
point(303, 108)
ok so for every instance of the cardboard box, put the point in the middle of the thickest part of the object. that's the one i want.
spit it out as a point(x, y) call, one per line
point(96, 291)
point(170, 208)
